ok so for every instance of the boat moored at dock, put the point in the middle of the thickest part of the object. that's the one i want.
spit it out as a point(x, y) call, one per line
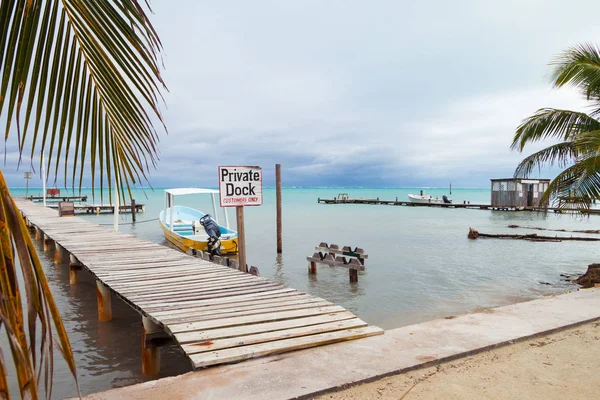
point(181, 224)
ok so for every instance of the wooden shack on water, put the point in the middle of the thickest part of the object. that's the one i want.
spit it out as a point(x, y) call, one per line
point(517, 192)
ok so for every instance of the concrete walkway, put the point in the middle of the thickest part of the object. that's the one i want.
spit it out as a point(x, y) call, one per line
point(310, 372)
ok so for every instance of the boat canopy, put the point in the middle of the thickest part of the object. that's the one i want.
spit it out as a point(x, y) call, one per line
point(182, 191)
point(170, 202)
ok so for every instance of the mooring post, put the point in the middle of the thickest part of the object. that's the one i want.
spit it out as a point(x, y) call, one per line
point(150, 354)
point(47, 242)
point(74, 267)
point(58, 253)
point(278, 195)
point(312, 268)
point(353, 275)
point(133, 210)
point(104, 303)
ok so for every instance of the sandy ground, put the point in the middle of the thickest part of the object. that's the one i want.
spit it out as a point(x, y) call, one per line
point(563, 365)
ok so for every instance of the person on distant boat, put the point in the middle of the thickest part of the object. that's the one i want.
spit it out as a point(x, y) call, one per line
point(214, 233)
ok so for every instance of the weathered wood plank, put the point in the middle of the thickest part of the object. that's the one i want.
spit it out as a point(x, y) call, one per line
point(201, 360)
point(297, 298)
point(213, 334)
point(252, 319)
point(216, 314)
point(218, 344)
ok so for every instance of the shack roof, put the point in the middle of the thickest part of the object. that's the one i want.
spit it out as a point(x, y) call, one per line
point(520, 179)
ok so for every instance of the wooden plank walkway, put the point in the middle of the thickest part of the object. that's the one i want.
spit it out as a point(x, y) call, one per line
point(396, 202)
point(215, 313)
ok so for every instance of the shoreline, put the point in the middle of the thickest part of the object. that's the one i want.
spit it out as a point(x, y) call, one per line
point(545, 367)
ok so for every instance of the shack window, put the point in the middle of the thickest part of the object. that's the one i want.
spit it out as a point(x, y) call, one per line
point(496, 186)
point(511, 186)
point(502, 186)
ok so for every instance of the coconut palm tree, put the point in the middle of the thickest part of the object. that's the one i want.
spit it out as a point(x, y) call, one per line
point(80, 80)
point(578, 149)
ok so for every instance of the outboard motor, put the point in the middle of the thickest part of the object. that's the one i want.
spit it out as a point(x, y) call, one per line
point(214, 233)
point(446, 199)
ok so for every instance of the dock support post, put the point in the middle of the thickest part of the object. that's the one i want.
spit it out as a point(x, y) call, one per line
point(47, 242)
point(74, 267)
point(312, 268)
point(58, 253)
point(353, 275)
point(104, 303)
point(278, 196)
point(133, 210)
point(38, 233)
point(150, 354)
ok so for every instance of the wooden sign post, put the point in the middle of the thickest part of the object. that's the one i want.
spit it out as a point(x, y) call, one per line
point(240, 187)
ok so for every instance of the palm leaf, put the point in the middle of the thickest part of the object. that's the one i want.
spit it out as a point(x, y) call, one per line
point(552, 123)
point(561, 154)
point(84, 80)
point(579, 66)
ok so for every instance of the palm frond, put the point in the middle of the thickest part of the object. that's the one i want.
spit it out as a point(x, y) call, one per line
point(81, 80)
point(553, 123)
point(579, 66)
point(560, 154)
point(577, 185)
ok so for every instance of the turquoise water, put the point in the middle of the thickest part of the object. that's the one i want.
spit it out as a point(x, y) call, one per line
point(421, 265)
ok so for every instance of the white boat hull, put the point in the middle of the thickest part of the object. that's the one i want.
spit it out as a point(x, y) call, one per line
point(425, 199)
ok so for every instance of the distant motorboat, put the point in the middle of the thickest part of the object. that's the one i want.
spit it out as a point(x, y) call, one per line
point(428, 199)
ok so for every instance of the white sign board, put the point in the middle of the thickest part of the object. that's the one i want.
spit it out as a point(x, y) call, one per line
point(240, 186)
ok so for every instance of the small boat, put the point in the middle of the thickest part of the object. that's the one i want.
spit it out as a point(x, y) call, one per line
point(428, 199)
point(181, 226)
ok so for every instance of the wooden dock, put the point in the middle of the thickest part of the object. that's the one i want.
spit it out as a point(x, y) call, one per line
point(216, 314)
point(58, 198)
point(102, 208)
point(465, 205)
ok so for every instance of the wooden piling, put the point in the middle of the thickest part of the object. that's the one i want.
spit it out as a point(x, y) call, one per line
point(353, 275)
point(278, 194)
point(312, 268)
point(47, 242)
point(74, 268)
point(239, 212)
point(58, 253)
point(38, 233)
point(150, 354)
point(104, 302)
point(133, 210)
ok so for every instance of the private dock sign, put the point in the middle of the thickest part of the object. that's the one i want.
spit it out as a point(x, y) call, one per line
point(240, 186)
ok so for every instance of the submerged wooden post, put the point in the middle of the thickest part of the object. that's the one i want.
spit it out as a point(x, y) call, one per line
point(312, 268)
point(278, 195)
point(58, 253)
point(133, 210)
point(74, 267)
point(150, 354)
point(239, 213)
point(104, 303)
point(353, 275)
point(47, 242)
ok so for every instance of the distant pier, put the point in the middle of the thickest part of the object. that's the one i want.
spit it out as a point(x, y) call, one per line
point(102, 208)
point(377, 201)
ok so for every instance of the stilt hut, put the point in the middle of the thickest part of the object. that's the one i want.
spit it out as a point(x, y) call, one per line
point(516, 192)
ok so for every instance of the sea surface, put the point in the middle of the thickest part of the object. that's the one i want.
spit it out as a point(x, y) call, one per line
point(421, 266)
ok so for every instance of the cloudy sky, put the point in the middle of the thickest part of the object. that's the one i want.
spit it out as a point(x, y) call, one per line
point(358, 93)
